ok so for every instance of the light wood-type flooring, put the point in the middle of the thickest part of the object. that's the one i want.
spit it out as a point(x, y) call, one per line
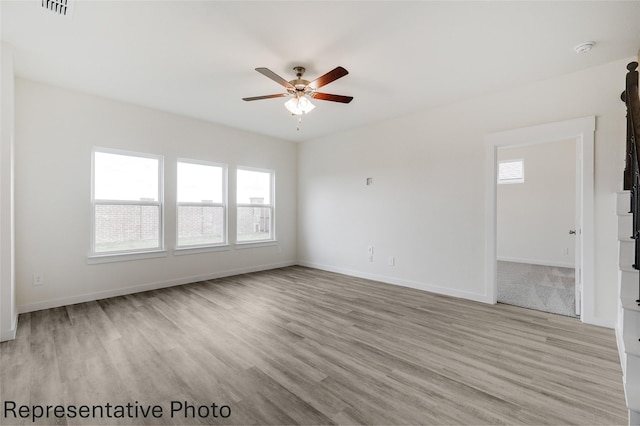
point(301, 346)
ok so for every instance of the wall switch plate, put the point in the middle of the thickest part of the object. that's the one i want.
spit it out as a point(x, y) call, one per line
point(391, 261)
point(370, 250)
point(565, 251)
point(38, 278)
point(371, 258)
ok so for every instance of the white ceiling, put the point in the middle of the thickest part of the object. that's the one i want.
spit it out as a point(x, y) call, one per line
point(198, 58)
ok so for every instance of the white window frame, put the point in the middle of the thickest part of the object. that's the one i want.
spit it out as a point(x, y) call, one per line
point(510, 181)
point(129, 254)
point(271, 206)
point(224, 205)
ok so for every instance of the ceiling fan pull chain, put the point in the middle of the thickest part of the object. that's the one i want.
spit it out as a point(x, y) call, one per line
point(299, 123)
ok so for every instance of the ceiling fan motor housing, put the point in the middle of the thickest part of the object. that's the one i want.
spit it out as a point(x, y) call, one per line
point(300, 84)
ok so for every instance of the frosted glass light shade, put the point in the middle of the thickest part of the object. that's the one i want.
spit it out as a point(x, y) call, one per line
point(299, 105)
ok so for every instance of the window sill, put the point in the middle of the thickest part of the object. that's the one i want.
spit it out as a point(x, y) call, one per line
point(255, 244)
point(181, 251)
point(124, 257)
point(510, 182)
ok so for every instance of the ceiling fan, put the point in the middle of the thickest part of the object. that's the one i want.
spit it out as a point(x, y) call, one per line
point(300, 90)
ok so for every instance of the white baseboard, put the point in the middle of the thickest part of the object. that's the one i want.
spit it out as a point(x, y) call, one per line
point(404, 283)
point(537, 262)
point(11, 333)
point(621, 349)
point(71, 300)
point(600, 322)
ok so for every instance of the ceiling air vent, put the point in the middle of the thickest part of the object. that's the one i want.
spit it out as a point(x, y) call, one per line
point(61, 7)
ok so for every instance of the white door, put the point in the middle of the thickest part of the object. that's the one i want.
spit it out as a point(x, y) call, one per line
point(578, 228)
point(578, 270)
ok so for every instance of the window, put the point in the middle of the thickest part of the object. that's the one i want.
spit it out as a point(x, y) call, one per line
point(201, 204)
point(511, 171)
point(127, 202)
point(255, 205)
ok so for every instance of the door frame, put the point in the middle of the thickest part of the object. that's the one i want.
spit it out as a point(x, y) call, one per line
point(582, 130)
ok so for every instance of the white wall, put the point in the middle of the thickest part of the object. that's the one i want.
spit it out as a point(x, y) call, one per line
point(8, 313)
point(427, 204)
point(535, 216)
point(55, 132)
point(425, 207)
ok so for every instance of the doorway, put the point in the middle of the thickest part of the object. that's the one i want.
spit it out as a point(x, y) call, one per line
point(536, 231)
point(580, 130)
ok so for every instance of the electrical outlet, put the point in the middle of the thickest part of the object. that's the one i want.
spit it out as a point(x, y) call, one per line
point(38, 278)
point(565, 251)
point(391, 261)
point(371, 258)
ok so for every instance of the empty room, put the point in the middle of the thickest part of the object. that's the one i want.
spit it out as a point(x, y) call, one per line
point(319, 212)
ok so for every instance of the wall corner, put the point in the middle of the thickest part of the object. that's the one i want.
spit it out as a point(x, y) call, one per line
point(8, 312)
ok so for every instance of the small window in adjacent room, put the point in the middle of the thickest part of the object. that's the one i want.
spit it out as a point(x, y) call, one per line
point(255, 205)
point(127, 202)
point(511, 171)
point(202, 215)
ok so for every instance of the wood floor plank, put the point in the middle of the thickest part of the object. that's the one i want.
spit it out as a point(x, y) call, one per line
point(302, 346)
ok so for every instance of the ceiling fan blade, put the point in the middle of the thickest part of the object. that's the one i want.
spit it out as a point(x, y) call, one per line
point(332, 75)
point(334, 98)
point(257, 98)
point(275, 77)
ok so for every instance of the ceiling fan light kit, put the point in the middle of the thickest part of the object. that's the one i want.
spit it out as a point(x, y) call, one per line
point(301, 90)
point(299, 105)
